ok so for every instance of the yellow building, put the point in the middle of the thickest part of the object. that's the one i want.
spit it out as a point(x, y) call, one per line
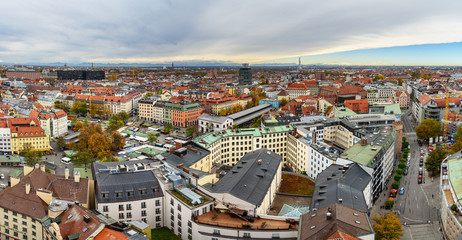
point(26, 134)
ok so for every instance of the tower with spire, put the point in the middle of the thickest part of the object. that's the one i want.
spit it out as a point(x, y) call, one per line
point(299, 64)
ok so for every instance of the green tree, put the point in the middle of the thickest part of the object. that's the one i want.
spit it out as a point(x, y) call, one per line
point(458, 135)
point(152, 138)
point(32, 157)
point(114, 124)
point(192, 131)
point(283, 102)
point(387, 226)
point(256, 122)
point(398, 177)
point(84, 157)
point(169, 128)
point(389, 202)
point(61, 142)
point(457, 146)
point(395, 185)
point(434, 160)
point(399, 171)
point(123, 116)
point(402, 165)
point(117, 141)
point(428, 128)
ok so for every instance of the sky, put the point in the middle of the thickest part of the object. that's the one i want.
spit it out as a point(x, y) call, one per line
point(367, 32)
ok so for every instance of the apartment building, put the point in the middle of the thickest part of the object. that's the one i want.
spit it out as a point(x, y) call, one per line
point(136, 196)
point(450, 182)
point(54, 121)
point(146, 109)
point(376, 152)
point(184, 114)
point(158, 111)
point(25, 205)
point(229, 146)
point(26, 133)
point(297, 89)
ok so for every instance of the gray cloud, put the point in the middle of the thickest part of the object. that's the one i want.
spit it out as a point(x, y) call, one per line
point(161, 30)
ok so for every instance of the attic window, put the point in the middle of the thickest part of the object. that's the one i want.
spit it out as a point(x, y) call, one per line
point(69, 217)
point(313, 227)
point(313, 215)
point(85, 229)
point(355, 214)
point(357, 222)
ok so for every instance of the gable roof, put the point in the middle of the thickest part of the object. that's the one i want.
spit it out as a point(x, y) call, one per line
point(73, 222)
point(424, 99)
point(249, 180)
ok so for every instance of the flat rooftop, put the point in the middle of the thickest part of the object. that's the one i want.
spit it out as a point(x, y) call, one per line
point(226, 220)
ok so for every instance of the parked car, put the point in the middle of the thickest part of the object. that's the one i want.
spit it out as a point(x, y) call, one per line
point(419, 180)
point(421, 163)
point(2, 176)
point(420, 171)
point(405, 172)
point(401, 191)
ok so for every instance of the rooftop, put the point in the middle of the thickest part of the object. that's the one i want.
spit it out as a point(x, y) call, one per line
point(208, 139)
point(226, 220)
point(455, 177)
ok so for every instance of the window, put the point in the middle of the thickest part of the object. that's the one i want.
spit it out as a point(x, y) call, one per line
point(15, 220)
point(33, 233)
point(24, 223)
point(121, 215)
point(129, 207)
point(216, 232)
point(24, 229)
point(179, 223)
point(105, 195)
point(121, 207)
point(5, 216)
point(157, 210)
point(143, 213)
point(179, 207)
point(157, 218)
point(247, 235)
point(179, 216)
point(157, 202)
point(171, 202)
point(275, 235)
point(119, 194)
point(129, 215)
point(105, 209)
point(130, 193)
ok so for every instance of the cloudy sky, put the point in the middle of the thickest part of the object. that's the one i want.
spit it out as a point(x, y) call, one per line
point(255, 31)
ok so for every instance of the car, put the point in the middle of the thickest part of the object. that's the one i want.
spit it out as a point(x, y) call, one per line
point(405, 172)
point(420, 171)
point(401, 191)
point(419, 179)
point(421, 163)
point(2, 176)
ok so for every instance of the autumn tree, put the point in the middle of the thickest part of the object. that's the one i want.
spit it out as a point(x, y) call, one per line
point(283, 102)
point(458, 135)
point(457, 146)
point(149, 94)
point(387, 226)
point(428, 128)
point(84, 157)
point(79, 107)
point(117, 140)
point(32, 157)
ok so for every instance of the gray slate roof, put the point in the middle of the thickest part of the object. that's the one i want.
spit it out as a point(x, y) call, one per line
point(248, 180)
point(332, 185)
point(106, 182)
point(190, 157)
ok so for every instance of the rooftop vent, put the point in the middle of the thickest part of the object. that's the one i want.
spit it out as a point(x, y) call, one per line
point(86, 219)
point(313, 227)
point(357, 222)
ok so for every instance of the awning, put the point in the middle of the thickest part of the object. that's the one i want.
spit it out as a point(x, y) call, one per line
point(221, 206)
point(393, 190)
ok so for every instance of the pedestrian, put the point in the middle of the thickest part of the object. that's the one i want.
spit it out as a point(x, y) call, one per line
point(432, 195)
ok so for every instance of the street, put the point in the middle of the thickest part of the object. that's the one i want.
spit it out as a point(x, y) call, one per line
point(418, 207)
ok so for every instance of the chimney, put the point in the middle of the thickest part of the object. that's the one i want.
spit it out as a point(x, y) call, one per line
point(37, 165)
point(181, 156)
point(42, 167)
point(66, 173)
point(178, 145)
point(200, 153)
point(328, 216)
point(340, 200)
point(172, 149)
point(77, 177)
point(189, 147)
point(363, 141)
point(86, 218)
point(27, 188)
point(259, 161)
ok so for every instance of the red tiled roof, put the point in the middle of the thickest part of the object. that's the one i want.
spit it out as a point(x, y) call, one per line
point(442, 101)
point(109, 234)
point(424, 98)
point(73, 222)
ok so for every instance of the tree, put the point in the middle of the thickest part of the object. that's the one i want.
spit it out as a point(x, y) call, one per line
point(192, 131)
point(78, 125)
point(61, 142)
point(168, 128)
point(117, 141)
point(327, 110)
point(32, 157)
point(83, 158)
point(428, 128)
point(458, 135)
point(406, 144)
point(256, 122)
point(402, 165)
point(434, 160)
point(283, 102)
point(399, 171)
point(79, 107)
point(123, 116)
point(114, 124)
point(457, 146)
point(389, 202)
point(398, 177)
point(98, 145)
point(152, 138)
point(387, 226)
point(149, 94)
point(395, 185)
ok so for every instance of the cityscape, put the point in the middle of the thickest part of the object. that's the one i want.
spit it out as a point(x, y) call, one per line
point(221, 120)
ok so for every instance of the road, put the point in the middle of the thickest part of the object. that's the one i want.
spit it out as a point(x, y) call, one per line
point(419, 202)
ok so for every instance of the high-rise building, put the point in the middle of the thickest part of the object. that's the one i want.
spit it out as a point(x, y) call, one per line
point(245, 75)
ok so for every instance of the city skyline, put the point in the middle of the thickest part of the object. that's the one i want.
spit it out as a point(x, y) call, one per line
point(259, 32)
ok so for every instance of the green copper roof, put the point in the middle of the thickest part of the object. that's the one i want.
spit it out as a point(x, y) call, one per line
point(455, 177)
